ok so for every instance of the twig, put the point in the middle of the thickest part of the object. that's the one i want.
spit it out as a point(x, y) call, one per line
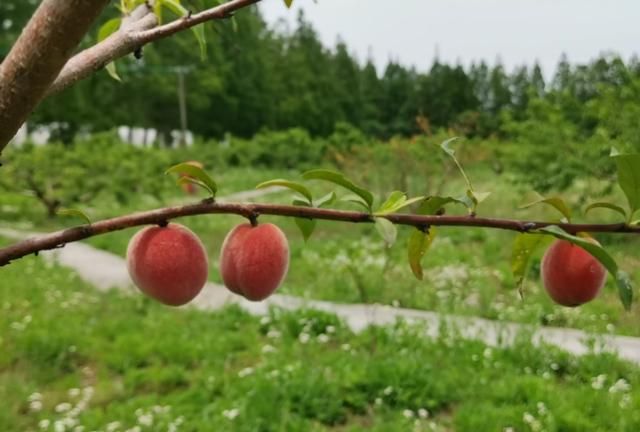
point(249, 211)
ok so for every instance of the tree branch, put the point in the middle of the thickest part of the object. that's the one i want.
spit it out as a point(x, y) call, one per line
point(249, 211)
point(45, 45)
point(133, 35)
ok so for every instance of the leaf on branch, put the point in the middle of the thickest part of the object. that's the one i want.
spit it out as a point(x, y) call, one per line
point(340, 180)
point(606, 205)
point(194, 174)
point(474, 198)
point(306, 226)
point(524, 246)
point(176, 7)
point(107, 29)
point(419, 243)
point(396, 201)
point(628, 166)
point(75, 213)
point(387, 230)
point(433, 204)
point(625, 287)
point(555, 202)
point(326, 200)
point(297, 187)
point(355, 199)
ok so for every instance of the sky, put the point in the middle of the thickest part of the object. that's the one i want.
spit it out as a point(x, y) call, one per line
point(517, 32)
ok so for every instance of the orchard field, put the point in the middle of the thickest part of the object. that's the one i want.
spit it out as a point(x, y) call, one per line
point(113, 361)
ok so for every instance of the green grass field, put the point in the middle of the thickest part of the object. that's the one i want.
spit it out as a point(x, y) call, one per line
point(87, 360)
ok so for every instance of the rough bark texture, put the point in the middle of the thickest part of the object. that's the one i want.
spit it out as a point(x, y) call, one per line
point(46, 43)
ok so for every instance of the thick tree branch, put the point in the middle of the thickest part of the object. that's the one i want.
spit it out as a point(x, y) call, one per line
point(250, 211)
point(33, 63)
point(140, 29)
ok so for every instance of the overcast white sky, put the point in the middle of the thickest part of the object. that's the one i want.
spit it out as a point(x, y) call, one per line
point(516, 31)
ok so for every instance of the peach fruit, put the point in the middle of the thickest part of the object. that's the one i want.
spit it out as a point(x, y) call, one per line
point(168, 263)
point(254, 260)
point(570, 274)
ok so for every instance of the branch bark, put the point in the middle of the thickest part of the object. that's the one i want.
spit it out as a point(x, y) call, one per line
point(39, 64)
point(160, 216)
point(137, 33)
point(45, 45)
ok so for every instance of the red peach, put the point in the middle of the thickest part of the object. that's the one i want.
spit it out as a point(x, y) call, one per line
point(254, 260)
point(570, 274)
point(168, 263)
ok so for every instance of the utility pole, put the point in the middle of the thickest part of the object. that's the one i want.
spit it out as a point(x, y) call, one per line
point(182, 104)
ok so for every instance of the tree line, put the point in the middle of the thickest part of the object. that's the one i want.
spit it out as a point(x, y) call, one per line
point(257, 77)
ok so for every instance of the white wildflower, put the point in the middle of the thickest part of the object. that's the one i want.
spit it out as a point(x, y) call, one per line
point(323, 338)
point(231, 414)
point(44, 423)
point(407, 413)
point(597, 383)
point(304, 338)
point(620, 386)
point(423, 413)
point(245, 372)
point(63, 407)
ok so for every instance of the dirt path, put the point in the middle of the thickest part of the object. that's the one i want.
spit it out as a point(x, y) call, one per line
point(105, 271)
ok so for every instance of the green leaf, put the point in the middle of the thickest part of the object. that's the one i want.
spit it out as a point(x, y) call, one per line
point(306, 227)
point(104, 32)
point(298, 187)
point(340, 180)
point(432, 204)
point(198, 31)
point(629, 178)
point(288, 3)
point(75, 213)
point(625, 288)
point(607, 205)
point(479, 196)
point(108, 28)
point(555, 202)
point(326, 200)
point(196, 173)
point(446, 147)
point(419, 243)
point(524, 247)
point(113, 73)
point(387, 230)
point(396, 201)
point(356, 200)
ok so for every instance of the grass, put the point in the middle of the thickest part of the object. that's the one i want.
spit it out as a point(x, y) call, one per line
point(112, 361)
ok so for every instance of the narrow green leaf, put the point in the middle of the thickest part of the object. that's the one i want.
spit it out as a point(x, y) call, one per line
point(356, 200)
point(446, 147)
point(396, 201)
point(524, 246)
point(75, 213)
point(629, 178)
point(306, 226)
point(326, 200)
point(555, 202)
point(606, 205)
point(625, 288)
point(196, 173)
point(108, 28)
point(419, 243)
point(387, 230)
point(176, 7)
point(432, 204)
point(113, 73)
point(340, 180)
point(298, 187)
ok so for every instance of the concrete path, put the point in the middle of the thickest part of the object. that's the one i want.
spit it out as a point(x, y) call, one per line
point(105, 270)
